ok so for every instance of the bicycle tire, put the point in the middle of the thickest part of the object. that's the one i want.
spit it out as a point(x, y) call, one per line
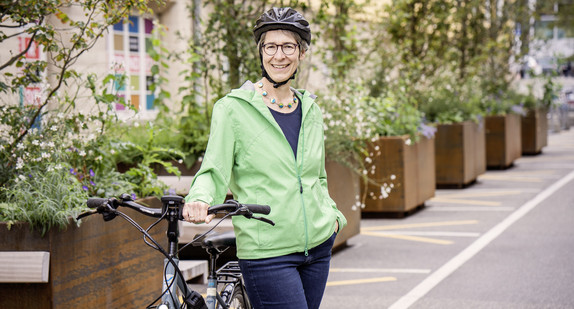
point(238, 300)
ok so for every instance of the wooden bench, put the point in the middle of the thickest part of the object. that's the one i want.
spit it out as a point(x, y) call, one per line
point(24, 266)
point(193, 269)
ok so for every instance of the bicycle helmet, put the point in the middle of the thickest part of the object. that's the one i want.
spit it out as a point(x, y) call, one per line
point(282, 19)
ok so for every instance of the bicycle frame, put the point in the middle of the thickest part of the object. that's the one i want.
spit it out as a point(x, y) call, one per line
point(170, 298)
point(173, 278)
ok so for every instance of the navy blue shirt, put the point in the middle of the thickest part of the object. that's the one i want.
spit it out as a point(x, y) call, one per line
point(290, 124)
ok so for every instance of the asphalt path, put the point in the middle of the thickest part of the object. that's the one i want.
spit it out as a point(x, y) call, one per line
point(506, 241)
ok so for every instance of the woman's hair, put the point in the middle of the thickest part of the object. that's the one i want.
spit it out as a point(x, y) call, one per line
point(302, 43)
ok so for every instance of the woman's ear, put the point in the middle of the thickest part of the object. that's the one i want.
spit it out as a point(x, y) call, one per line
point(302, 54)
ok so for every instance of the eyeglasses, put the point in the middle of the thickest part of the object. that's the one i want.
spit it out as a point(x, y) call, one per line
point(271, 48)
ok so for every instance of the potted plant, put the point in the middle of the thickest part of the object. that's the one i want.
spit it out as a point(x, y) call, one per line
point(344, 148)
point(53, 123)
point(401, 157)
point(395, 162)
point(503, 129)
point(46, 179)
point(534, 126)
point(460, 153)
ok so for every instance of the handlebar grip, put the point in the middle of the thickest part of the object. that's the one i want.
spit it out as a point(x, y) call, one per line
point(259, 209)
point(95, 202)
point(233, 206)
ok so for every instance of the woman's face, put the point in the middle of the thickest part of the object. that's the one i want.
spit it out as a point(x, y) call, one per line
point(281, 67)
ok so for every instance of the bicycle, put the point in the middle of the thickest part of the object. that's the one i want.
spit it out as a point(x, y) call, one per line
point(175, 291)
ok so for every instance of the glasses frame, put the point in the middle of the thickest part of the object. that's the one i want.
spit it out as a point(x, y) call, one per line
point(297, 45)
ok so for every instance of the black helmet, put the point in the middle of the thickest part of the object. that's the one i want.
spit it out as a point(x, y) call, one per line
point(282, 19)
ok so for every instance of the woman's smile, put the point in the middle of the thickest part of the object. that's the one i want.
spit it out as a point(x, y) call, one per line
point(280, 66)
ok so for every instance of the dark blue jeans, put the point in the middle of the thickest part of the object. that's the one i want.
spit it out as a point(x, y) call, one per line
point(293, 281)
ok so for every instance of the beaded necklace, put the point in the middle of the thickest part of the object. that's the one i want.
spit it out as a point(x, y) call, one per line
point(274, 101)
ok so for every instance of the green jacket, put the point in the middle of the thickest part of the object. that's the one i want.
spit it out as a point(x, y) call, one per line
point(248, 153)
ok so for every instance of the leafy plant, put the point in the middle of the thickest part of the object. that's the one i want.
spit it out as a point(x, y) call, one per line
point(52, 156)
point(502, 103)
point(140, 151)
point(43, 197)
point(450, 101)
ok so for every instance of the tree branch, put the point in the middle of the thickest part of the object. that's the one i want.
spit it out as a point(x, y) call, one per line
point(19, 55)
point(69, 61)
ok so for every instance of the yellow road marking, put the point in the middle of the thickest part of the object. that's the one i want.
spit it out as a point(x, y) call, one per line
point(468, 202)
point(375, 231)
point(380, 270)
point(460, 198)
point(479, 194)
point(416, 225)
point(361, 281)
point(504, 177)
point(410, 237)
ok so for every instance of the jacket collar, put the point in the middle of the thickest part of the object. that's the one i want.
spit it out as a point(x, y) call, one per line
point(247, 93)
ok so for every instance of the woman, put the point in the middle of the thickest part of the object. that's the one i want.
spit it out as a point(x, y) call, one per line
point(266, 146)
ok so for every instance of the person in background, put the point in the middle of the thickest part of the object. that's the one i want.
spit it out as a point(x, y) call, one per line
point(266, 146)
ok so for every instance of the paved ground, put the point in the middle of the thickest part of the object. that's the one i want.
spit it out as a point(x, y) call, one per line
point(504, 242)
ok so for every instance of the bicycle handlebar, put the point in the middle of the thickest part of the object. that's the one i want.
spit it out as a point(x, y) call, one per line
point(108, 206)
point(172, 206)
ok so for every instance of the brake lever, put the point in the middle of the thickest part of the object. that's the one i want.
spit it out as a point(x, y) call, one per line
point(264, 220)
point(85, 214)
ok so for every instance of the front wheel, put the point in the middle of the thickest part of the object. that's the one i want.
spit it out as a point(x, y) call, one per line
point(234, 296)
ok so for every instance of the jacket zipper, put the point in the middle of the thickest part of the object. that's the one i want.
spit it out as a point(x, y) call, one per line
point(298, 169)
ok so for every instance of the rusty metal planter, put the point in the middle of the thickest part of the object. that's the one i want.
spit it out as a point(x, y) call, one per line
point(97, 265)
point(503, 140)
point(414, 169)
point(344, 188)
point(460, 153)
point(534, 131)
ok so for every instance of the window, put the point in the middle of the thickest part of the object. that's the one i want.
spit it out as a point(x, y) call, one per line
point(130, 44)
point(544, 30)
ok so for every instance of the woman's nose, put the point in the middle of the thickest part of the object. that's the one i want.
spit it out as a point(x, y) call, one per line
point(279, 54)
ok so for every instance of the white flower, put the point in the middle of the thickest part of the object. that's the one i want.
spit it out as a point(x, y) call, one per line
point(35, 142)
point(45, 155)
point(393, 177)
point(408, 142)
point(54, 128)
point(384, 193)
point(19, 163)
point(82, 153)
point(22, 177)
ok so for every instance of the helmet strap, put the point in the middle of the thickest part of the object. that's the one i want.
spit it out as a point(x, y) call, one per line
point(266, 75)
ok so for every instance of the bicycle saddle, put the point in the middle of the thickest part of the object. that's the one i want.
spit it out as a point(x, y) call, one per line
point(218, 241)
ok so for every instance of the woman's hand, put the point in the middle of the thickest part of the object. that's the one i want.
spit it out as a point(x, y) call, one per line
point(337, 227)
point(196, 212)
